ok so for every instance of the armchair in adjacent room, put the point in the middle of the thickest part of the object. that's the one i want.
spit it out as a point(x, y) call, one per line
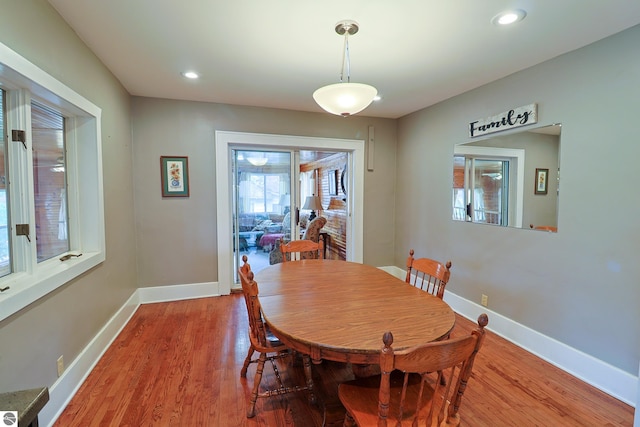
point(312, 232)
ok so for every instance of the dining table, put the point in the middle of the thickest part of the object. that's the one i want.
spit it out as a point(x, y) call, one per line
point(339, 310)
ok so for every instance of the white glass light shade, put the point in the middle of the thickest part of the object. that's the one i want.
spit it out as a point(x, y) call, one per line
point(345, 99)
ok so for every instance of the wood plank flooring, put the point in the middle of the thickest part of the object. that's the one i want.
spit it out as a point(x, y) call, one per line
point(178, 364)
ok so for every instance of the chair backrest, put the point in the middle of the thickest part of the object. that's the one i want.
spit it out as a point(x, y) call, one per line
point(245, 267)
point(427, 274)
point(254, 310)
point(301, 249)
point(452, 358)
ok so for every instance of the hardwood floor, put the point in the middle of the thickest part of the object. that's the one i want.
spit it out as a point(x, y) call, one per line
point(178, 364)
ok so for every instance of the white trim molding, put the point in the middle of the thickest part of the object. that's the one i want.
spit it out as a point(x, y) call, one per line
point(63, 390)
point(226, 141)
point(607, 378)
point(177, 292)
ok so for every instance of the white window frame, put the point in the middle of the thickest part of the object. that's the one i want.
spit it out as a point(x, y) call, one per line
point(31, 280)
point(227, 141)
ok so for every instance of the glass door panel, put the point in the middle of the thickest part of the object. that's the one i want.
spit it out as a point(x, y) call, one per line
point(490, 204)
point(270, 189)
point(262, 204)
point(481, 190)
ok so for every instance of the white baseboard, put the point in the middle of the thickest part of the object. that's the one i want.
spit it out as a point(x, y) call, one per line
point(611, 380)
point(597, 373)
point(61, 392)
point(178, 292)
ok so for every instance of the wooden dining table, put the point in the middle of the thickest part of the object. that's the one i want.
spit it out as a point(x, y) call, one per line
point(339, 310)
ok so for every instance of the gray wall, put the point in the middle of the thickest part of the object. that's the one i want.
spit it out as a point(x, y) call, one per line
point(63, 322)
point(581, 285)
point(181, 128)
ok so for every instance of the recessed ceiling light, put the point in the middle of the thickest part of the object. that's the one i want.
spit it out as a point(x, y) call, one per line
point(377, 97)
point(190, 74)
point(509, 17)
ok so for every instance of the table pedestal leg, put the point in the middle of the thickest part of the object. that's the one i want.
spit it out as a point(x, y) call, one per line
point(306, 361)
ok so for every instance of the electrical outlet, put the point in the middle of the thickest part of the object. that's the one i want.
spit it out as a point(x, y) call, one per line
point(485, 300)
point(60, 365)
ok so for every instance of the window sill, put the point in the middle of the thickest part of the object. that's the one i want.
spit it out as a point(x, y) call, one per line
point(24, 289)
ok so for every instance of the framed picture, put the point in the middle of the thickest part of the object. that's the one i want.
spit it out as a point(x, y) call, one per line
point(174, 171)
point(333, 182)
point(542, 176)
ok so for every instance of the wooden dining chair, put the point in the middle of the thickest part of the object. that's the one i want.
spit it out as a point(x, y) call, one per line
point(245, 268)
point(404, 394)
point(302, 249)
point(265, 343)
point(428, 274)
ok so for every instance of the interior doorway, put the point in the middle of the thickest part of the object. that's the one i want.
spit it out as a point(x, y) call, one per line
point(277, 193)
point(340, 186)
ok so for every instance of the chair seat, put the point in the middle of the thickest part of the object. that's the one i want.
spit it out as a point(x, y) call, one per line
point(362, 395)
point(273, 340)
point(272, 344)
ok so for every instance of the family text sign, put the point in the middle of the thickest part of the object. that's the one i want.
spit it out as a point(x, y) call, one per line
point(511, 119)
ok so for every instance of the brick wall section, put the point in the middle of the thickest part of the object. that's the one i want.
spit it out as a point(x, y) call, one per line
point(336, 215)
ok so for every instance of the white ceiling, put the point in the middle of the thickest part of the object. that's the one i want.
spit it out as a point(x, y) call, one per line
point(276, 53)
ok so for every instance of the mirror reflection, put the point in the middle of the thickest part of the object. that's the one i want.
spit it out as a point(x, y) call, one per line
point(509, 180)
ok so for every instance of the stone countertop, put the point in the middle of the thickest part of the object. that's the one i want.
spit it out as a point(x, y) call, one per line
point(28, 403)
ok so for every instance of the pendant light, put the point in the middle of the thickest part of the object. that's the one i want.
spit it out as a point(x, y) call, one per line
point(345, 98)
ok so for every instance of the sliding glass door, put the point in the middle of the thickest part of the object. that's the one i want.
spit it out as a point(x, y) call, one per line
point(263, 183)
point(330, 169)
point(275, 196)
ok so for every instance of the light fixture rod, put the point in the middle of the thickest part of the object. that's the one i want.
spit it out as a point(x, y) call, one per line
point(346, 60)
point(345, 98)
point(346, 28)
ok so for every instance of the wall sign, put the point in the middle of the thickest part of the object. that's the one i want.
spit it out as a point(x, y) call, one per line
point(517, 117)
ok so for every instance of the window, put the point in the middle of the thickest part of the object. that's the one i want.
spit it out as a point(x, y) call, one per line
point(5, 255)
point(49, 178)
point(487, 185)
point(307, 184)
point(264, 192)
point(51, 203)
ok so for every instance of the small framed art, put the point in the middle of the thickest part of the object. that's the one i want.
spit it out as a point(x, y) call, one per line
point(174, 171)
point(542, 176)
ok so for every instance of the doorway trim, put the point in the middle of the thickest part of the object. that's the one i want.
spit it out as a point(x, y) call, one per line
point(225, 141)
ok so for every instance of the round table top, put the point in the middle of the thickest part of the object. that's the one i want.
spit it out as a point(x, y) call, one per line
point(339, 310)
